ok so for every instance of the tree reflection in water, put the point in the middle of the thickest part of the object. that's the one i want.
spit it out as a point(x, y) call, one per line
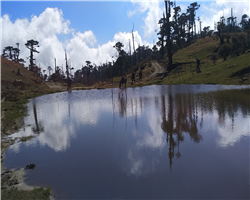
point(37, 128)
point(176, 123)
point(181, 112)
point(86, 129)
point(155, 116)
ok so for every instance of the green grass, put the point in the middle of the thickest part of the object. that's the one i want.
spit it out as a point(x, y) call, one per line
point(36, 194)
point(217, 74)
point(12, 111)
point(201, 49)
point(23, 139)
point(220, 73)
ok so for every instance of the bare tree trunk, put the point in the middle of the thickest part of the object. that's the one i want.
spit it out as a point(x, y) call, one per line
point(130, 52)
point(168, 15)
point(194, 30)
point(134, 43)
point(55, 65)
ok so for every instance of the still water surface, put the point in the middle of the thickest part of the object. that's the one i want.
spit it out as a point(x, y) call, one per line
point(154, 142)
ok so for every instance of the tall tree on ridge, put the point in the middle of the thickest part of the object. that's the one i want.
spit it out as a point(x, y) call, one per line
point(191, 10)
point(118, 46)
point(9, 49)
point(183, 22)
point(221, 27)
point(31, 44)
point(16, 53)
point(168, 5)
point(162, 33)
point(245, 22)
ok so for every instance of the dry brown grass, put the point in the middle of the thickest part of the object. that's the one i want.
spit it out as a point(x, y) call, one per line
point(32, 84)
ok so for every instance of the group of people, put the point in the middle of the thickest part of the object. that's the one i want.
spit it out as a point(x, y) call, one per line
point(123, 80)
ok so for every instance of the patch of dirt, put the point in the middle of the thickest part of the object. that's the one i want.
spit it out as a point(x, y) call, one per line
point(55, 85)
point(159, 70)
point(11, 178)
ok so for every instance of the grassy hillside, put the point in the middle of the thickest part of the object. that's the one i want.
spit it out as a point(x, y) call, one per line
point(233, 71)
point(33, 84)
point(12, 98)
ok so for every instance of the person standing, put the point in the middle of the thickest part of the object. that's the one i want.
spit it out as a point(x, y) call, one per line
point(198, 65)
point(140, 75)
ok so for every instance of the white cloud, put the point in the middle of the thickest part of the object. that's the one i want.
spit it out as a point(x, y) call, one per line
point(211, 12)
point(125, 37)
point(154, 13)
point(43, 28)
point(156, 137)
point(130, 13)
point(87, 37)
point(232, 133)
point(47, 27)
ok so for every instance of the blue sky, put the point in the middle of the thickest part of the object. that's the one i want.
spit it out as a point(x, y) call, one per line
point(104, 18)
point(88, 30)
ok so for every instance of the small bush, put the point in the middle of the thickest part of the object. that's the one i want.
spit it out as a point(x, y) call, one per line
point(239, 44)
point(213, 57)
point(225, 50)
point(228, 36)
point(23, 139)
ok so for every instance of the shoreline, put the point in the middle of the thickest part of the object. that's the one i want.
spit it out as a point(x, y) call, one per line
point(11, 178)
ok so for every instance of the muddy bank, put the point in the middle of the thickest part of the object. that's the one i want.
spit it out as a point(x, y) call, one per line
point(12, 180)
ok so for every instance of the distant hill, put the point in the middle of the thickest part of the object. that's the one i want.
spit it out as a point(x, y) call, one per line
point(233, 71)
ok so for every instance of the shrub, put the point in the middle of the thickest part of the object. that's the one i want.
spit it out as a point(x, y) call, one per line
point(213, 57)
point(228, 36)
point(240, 43)
point(225, 50)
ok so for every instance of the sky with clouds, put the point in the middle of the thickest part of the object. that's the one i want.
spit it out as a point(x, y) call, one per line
point(88, 30)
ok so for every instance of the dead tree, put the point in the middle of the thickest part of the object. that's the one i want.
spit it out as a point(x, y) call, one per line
point(134, 43)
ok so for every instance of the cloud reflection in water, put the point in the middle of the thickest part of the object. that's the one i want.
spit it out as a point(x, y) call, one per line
point(161, 119)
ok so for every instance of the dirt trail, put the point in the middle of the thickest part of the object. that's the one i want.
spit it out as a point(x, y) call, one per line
point(159, 69)
point(60, 87)
point(55, 85)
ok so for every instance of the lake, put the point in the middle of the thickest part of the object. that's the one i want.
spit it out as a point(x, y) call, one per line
point(152, 142)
